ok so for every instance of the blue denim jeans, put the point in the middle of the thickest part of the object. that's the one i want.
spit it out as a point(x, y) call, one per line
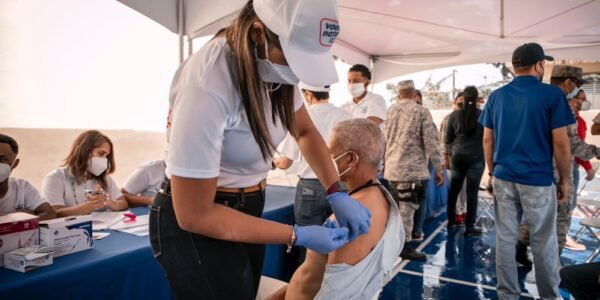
point(310, 207)
point(536, 207)
point(200, 267)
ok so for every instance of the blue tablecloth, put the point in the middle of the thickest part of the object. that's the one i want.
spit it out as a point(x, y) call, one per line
point(121, 266)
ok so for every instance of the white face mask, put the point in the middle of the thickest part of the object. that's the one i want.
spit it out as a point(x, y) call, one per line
point(573, 93)
point(586, 105)
point(356, 89)
point(97, 165)
point(274, 73)
point(5, 170)
point(336, 167)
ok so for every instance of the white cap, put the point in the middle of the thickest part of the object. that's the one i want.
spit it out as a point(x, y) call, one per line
point(311, 88)
point(307, 29)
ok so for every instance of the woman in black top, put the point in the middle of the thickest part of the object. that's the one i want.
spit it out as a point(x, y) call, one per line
point(465, 135)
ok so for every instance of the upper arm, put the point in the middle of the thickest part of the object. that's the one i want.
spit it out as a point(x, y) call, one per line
point(376, 111)
point(303, 123)
point(137, 182)
point(488, 135)
point(192, 197)
point(113, 189)
point(53, 189)
point(560, 136)
point(33, 199)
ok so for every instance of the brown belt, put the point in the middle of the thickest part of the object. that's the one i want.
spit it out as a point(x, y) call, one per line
point(255, 188)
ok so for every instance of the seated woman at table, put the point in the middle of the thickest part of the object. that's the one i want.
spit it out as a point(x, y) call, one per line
point(143, 184)
point(83, 184)
point(360, 269)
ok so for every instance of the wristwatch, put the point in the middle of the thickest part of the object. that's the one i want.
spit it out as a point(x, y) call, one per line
point(334, 188)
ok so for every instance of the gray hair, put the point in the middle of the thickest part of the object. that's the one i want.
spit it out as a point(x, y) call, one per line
point(361, 136)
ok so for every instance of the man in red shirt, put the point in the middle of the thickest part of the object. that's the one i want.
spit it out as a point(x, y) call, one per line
point(577, 104)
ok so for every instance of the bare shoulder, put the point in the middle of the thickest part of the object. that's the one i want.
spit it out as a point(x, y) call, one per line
point(359, 248)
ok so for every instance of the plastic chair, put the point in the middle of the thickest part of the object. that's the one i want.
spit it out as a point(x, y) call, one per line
point(590, 224)
point(485, 218)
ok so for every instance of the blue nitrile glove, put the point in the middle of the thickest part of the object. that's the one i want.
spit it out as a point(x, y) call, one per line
point(350, 213)
point(320, 238)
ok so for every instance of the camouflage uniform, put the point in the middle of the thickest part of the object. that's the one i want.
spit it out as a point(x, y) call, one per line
point(582, 151)
point(411, 139)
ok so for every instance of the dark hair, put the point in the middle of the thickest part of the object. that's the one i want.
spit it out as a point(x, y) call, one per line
point(460, 94)
point(364, 71)
point(251, 87)
point(418, 92)
point(523, 69)
point(468, 119)
point(5, 139)
point(319, 95)
point(81, 151)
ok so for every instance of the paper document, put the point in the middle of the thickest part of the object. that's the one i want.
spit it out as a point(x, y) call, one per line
point(139, 221)
point(143, 230)
point(103, 220)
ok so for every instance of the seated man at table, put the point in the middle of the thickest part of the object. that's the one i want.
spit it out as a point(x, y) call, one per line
point(18, 194)
point(143, 184)
point(362, 267)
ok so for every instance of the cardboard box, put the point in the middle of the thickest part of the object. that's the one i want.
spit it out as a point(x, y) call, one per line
point(17, 230)
point(28, 258)
point(67, 235)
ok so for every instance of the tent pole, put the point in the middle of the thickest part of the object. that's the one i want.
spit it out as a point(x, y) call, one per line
point(502, 19)
point(190, 46)
point(180, 28)
point(373, 59)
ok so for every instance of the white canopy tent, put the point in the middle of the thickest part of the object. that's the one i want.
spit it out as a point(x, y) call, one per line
point(398, 37)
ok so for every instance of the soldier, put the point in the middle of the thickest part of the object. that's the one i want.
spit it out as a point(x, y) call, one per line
point(410, 137)
point(568, 79)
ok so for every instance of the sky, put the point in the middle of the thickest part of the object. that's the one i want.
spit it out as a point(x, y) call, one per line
point(99, 64)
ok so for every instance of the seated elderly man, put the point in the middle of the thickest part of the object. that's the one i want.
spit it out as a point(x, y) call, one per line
point(359, 269)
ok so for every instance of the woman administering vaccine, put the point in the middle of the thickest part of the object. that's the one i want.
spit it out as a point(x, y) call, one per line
point(231, 103)
point(83, 184)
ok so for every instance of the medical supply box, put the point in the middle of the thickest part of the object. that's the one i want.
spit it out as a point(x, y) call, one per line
point(67, 235)
point(28, 258)
point(17, 230)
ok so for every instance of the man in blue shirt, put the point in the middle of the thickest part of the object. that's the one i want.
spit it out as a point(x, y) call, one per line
point(525, 124)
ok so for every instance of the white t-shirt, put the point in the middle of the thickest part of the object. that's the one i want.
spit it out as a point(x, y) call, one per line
point(209, 135)
point(60, 188)
point(20, 195)
point(146, 179)
point(372, 105)
point(325, 116)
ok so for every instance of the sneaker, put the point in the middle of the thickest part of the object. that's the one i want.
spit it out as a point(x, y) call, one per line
point(409, 253)
point(459, 219)
point(473, 231)
point(573, 245)
point(418, 238)
point(521, 255)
